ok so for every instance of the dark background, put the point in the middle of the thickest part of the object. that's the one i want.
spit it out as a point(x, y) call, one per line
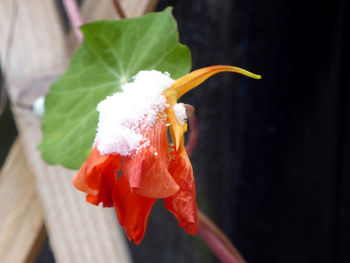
point(272, 160)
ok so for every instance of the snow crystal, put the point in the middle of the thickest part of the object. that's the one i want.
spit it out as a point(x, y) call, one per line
point(180, 112)
point(125, 116)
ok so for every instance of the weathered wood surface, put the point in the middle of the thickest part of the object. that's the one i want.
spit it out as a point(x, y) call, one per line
point(104, 9)
point(78, 232)
point(21, 217)
point(34, 51)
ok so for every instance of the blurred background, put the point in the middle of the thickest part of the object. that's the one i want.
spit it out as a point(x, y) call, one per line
point(272, 161)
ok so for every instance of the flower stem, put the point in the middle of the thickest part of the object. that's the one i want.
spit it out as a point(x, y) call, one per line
point(211, 234)
point(74, 17)
point(119, 9)
point(218, 241)
point(193, 136)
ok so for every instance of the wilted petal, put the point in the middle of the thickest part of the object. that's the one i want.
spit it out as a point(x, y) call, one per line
point(183, 204)
point(147, 172)
point(96, 177)
point(132, 210)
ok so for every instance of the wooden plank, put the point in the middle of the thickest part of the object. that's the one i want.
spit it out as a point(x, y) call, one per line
point(78, 232)
point(37, 46)
point(93, 10)
point(22, 231)
point(36, 52)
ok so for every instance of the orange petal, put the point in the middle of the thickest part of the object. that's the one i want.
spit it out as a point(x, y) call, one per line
point(183, 205)
point(103, 181)
point(147, 172)
point(79, 180)
point(193, 79)
point(176, 129)
point(96, 177)
point(132, 210)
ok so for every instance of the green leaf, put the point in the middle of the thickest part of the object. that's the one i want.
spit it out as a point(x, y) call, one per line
point(111, 54)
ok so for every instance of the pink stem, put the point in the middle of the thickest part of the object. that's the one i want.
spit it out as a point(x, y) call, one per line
point(74, 16)
point(193, 136)
point(211, 234)
point(218, 241)
point(217, 247)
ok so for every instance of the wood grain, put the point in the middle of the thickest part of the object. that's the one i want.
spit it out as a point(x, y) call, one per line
point(79, 232)
point(21, 217)
point(34, 56)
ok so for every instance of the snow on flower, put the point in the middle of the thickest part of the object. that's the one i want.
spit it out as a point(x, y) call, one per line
point(132, 140)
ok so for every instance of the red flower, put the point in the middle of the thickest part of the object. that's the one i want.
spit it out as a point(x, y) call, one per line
point(155, 171)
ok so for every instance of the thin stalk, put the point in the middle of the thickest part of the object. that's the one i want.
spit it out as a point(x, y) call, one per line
point(193, 136)
point(218, 241)
point(119, 9)
point(74, 17)
point(210, 233)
